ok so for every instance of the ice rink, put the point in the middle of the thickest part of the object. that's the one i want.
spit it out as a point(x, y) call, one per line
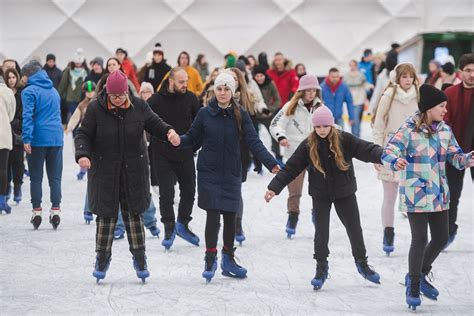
point(50, 272)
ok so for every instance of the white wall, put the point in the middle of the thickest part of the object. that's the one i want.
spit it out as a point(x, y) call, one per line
point(319, 33)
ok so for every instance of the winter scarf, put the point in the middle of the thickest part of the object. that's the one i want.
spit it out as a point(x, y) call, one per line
point(77, 73)
point(402, 96)
point(333, 87)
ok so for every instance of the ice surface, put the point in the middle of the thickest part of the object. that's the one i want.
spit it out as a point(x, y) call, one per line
point(45, 271)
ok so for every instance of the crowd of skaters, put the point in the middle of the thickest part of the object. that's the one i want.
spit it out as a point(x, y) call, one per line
point(188, 109)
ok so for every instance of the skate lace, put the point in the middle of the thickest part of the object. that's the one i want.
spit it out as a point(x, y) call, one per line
point(233, 258)
point(430, 278)
point(55, 212)
point(368, 269)
point(320, 271)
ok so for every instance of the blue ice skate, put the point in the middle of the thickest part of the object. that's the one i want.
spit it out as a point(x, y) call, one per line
point(141, 268)
point(155, 231)
point(102, 264)
point(183, 231)
point(366, 271)
point(322, 273)
point(119, 233)
point(210, 265)
point(412, 293)
point(229, 267)
point(88, 217)
point(291, 224)
point(170, 235)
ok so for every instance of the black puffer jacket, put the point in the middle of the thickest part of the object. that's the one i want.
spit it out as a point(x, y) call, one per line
point(155, 73)
point(115, 143)
point(337, 183)
point(17, 123)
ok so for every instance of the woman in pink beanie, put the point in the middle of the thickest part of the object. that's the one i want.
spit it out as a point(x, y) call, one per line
point(110, 143)
point(327, 154)
point(290, 126)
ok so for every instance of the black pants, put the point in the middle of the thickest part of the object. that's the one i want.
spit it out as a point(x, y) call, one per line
point(3, 171)
point(348, 212)
point(212, 229)
point(421, 255)
point(168, 171)
point(16, 166)
point(455, 183)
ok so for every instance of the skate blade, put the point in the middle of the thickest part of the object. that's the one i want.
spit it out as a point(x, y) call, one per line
point(189, 241)
point(230, 275)
point(433, 298)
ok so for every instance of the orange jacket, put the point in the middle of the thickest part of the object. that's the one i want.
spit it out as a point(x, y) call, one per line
point(195, 84)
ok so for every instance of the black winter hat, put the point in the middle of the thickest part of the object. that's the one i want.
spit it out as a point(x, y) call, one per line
point(50, 57)
point(430, 97)
point(448, 68)
point(121, 50)
point(259, 69)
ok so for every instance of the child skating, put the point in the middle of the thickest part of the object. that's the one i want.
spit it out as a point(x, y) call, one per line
point(327, 154)
point(421, 148)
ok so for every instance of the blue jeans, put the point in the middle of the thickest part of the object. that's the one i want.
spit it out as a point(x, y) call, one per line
point(339, 121)
point(149, 218)
point(356, 122)
point(53, 156)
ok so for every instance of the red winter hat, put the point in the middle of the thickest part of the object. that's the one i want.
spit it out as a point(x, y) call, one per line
point(117, 83)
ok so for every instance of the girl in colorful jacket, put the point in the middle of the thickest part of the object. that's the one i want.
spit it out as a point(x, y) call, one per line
point(290, 126)
point(420, 149)
point(327, 153)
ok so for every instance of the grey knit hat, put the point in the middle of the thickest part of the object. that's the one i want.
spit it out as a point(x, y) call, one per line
point(32, 67)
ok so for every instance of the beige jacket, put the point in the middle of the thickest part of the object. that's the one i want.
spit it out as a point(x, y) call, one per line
point(389, 118)
point(7, 113)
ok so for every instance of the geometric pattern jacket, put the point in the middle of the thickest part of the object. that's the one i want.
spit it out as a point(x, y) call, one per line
point(423, 185)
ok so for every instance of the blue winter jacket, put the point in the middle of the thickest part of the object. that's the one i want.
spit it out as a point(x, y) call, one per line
point(366, 67)
point(219, 165)
point(334, 101)
point(41, 112)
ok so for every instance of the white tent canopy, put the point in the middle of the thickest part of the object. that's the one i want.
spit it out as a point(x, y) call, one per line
point(319, 33)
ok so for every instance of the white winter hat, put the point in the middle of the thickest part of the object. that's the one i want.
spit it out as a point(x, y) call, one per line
point(78, 56)
point(225, 79)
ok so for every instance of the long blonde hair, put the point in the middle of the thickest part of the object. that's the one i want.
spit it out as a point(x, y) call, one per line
point(246, 98)
point(400, 69)
point(334, 138)
point(421, 122)
point(293, 103)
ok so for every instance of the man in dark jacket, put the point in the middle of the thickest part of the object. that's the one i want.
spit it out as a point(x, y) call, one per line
point(54, 73)
point(155, 73)
point(460, 117)
point(111, 143)
point(178, 107)
point(97, 65)
point(392, 55)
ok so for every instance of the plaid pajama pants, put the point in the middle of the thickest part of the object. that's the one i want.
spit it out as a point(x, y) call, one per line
point(133, 225)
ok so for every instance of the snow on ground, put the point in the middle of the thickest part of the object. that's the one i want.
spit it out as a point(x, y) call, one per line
point(49, 272)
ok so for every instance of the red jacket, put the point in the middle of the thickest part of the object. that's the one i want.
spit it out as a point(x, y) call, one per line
point(127, 66)
point(457, 117)
point(286, 83)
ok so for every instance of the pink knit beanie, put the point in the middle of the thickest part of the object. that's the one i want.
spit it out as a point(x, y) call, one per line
point(308, 82)
point(117, 83)
point(322, 116)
